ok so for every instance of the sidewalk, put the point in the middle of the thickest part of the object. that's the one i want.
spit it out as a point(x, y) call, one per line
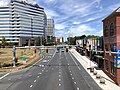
point(86, 63)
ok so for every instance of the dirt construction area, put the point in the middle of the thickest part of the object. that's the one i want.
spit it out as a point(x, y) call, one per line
point(6, 56)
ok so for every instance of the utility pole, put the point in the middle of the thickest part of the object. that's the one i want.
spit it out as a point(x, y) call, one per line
point(14, 56)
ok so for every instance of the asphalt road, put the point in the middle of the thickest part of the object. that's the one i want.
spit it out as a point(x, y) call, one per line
point(57, 71)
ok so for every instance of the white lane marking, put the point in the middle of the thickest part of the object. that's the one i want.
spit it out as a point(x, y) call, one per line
point(42, 70)
point(31, 86)
point(4, 76)
point(74, 82)
point(70, 71)
point(78, 88)
point(42, 65)
point(59, 75)
point(40, 73)
point(71, 74)
point(38, 76)
point(30, 75)
point(9, 79)
point(59, 72)
point(39, 65)
point(75, 61)
point(34, 80)
point(72, 77)
point(59, 79)
point(59, 84)
point(68, 64)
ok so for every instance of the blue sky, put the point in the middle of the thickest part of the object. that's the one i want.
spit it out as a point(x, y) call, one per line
point(77, 17)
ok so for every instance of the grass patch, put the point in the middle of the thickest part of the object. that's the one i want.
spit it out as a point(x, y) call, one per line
point(6, 56)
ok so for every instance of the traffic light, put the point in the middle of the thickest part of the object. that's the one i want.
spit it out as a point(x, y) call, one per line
point(46, 50)
point(66, 49)
point(35, 51)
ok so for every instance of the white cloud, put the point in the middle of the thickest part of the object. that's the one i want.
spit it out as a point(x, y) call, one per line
point(60, 26)
point(92, 18)
point(76, 22)
point(3, 2)
point(51, 13)
point(81, 29)
point(99, 33)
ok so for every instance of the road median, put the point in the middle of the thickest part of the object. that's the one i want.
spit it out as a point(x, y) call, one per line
point(29, 63)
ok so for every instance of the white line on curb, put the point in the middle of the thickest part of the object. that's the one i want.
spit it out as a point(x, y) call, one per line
point(4, 76)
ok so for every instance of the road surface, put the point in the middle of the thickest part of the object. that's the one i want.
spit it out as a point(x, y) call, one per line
point(57, 71)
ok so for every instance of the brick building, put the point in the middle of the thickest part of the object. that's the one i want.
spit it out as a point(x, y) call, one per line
point(111, 37)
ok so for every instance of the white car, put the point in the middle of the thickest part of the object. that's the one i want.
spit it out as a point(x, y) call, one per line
point(44, 61)
point(62, 50)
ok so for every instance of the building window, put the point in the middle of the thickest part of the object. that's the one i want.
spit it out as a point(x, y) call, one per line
point(106, 31)
point(106, 47)
point(112, 68)
point(113, 47)
point(112, 29)
point(106, 65)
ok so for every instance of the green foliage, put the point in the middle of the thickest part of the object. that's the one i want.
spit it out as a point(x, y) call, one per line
point(3, 42)
point(71, 40)
point(92, 36)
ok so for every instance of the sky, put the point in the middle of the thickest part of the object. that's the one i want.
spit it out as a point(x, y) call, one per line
point(77, 17)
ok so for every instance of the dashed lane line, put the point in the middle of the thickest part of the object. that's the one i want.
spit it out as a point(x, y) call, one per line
point(31, 86)
point(78, 88)
point(40, 73)
point(59, 72)
point(34, 80)
point(60, 84)
point(74, 82)
point(59, 79)
point(59, 75)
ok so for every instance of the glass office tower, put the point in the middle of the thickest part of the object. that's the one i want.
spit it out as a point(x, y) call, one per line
point(21, 22)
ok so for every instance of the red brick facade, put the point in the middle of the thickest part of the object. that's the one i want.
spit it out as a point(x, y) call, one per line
point(27, 41)
point(111, 39)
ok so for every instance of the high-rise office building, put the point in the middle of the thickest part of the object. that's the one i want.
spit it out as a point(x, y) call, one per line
point(22, 22)
point(50, 31)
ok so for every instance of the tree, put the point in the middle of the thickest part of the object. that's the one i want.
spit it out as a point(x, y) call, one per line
point(71, 40)
point(3, 42)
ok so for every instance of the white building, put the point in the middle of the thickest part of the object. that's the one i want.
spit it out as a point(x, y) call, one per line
point(21, 22)
point(50, 30)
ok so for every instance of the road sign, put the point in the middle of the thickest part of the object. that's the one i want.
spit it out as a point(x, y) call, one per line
point(24, 60)
point(117, 60)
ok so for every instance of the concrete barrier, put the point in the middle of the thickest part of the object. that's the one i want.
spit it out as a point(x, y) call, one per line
point(102, 80)
point(98, 76)
point(95, 73)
